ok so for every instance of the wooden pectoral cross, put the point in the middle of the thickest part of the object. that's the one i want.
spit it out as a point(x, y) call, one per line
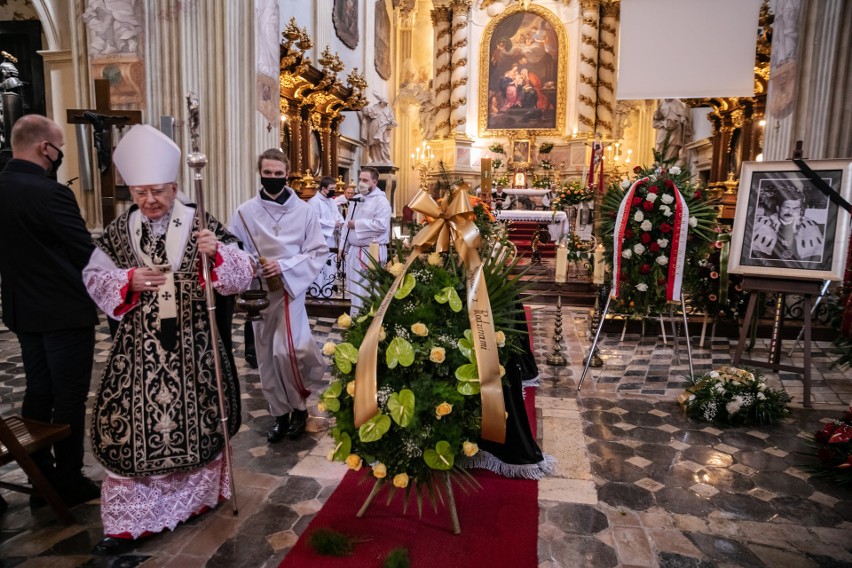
point(102, 119)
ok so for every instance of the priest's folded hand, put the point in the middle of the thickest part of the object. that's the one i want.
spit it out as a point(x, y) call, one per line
point(206, 242)
point(271, 268)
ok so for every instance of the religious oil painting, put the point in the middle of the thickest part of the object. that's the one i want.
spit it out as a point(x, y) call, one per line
point(522, 59)
point(345, 20)
point(383, 53)
point(520, 151)
point(786, 226)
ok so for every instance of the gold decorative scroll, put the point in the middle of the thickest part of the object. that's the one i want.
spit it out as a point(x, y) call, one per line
point(453, 222)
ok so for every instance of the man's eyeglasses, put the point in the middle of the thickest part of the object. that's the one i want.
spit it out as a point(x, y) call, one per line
point(155, 193)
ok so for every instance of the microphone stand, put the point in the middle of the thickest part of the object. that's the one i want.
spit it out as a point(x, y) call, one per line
point(197, 161)
point(351, 215)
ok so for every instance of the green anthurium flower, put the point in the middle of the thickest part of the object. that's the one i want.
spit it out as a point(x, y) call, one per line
point(374, 428)
point(450, 295)
point(345, 356)
point(399, 351)
point(406, 287)
point(329, 396)
point(343, 447)
point(441, 458)
point(401, 407)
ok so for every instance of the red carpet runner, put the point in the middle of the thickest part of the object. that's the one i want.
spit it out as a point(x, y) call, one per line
point(499, 524)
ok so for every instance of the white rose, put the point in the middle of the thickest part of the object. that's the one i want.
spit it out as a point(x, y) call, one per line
point(662, 260)
point(668, 213)
point(627, 253)
point(652, 197)
point(646, 225)
point(625, 184)
point(663, 243)
point(658, 171)
point(638, 248)
point(713, 374)
point(674, 170)
point(666, 198)
point(638, 216)
point(693, 222)
point(761, 396)
point(642, 287)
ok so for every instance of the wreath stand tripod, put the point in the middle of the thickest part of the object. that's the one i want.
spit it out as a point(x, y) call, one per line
point(674, 335)
point(450, 497)
point(808, 289)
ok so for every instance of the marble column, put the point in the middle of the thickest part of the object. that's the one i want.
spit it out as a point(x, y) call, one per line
point(587, 94)
point(459, 67)
point(441, 23)
point(606, 68)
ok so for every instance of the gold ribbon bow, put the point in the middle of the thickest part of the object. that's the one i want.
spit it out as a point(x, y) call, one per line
point(453, 222)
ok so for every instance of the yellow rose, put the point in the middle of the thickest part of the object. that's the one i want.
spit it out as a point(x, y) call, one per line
point(400, 480)
point(382, 333)
point(344, 321)
point(321, 407)
point(380, 471)
point(435, 259)
point(500, 337)
point(470, 449)
point(396, 268)
point(353, 461)
point(502, 370)
point(443, 409)
point(329, 348)
point(438, 354)
point(350, 388)
point(420, 329)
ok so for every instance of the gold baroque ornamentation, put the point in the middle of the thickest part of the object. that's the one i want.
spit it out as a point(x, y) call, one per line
point(606, 85)
point(589, 40)
point(561, 73)
point(589, 4)
point(608, 66)
point(605, 124)
point(738, 118)
point(586, 120)
point(458, 102)
point(441, 14)
point(611, 9)
point(443, 105)
point(607, 27)
point(444, 68)
point(444, 124)
point(605, 103)
point(464, 5)
point(591, 22)
point(587, 80)
point(460, 83)
point(588, 101)
point(460, 63)
point(460, 44)
point(587, 60)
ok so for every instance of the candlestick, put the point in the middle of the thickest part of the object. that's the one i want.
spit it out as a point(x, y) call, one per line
point(485, 184)
point(600, 266)
point(561, 263)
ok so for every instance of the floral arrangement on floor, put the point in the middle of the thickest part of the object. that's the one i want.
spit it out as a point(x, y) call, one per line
point(570, 193)
point(430, 409)
point(712, 290)
point(649, 234)
point(834, 450)
point(730, 396)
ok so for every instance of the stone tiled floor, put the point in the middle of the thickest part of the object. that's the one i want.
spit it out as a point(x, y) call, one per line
point(637, 485)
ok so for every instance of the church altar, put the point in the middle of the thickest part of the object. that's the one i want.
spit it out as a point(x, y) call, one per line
point(557, 224)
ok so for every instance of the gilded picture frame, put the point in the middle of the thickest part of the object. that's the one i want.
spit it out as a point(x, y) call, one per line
point(521, 150)
point(785, 226)
point(523, 73)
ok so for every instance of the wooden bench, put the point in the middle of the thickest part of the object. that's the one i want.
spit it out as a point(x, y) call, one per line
point(20, 437)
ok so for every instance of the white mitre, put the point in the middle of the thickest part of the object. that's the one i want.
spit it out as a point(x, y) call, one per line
point(146, 156)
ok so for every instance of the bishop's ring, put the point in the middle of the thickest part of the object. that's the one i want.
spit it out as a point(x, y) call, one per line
point(147, 283)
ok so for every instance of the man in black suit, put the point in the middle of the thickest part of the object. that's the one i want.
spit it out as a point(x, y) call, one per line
point(44, 245)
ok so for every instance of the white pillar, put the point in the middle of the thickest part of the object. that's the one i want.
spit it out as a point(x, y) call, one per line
point(459, 50)
point(442, 78)
point(588, 65)
point(606, 69)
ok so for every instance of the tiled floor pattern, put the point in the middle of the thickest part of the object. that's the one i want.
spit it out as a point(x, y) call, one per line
point(638, 484)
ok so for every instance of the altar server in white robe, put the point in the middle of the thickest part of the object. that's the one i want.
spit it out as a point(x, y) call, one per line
point(156, 425)
point(285, 234)
point(331, 221)
point(367, 222)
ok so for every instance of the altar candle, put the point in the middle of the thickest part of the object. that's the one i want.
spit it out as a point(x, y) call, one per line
point(561, 263)
point(600, 266)
point(485, 183)
point(374, 251)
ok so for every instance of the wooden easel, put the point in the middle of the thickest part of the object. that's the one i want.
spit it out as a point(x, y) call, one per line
point(109, 118)
point(808, 289)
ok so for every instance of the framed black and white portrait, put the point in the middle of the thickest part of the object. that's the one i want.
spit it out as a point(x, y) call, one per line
point(785, 226)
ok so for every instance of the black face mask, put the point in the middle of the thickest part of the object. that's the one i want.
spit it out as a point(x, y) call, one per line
point(330, 193)
point(54, 164)
point(273, 186)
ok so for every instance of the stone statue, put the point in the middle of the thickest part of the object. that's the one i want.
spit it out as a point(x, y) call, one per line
point(672, 120)
point(427, 115)
point(114, 26)
point(379, 121)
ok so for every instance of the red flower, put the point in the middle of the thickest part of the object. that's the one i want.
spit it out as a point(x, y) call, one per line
point(646, 238)
point(628, 234)
point(653, 189)
point(637, 200)
point(661, 281)
point(714, 275)
point(670, 184)
point(712, 297)
point(697, 195)
point(655, 247)
point(637, 169)
point(842, 435)
point(647, 205)
point(665, 227)
point(646, 268)
point(719, 244)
